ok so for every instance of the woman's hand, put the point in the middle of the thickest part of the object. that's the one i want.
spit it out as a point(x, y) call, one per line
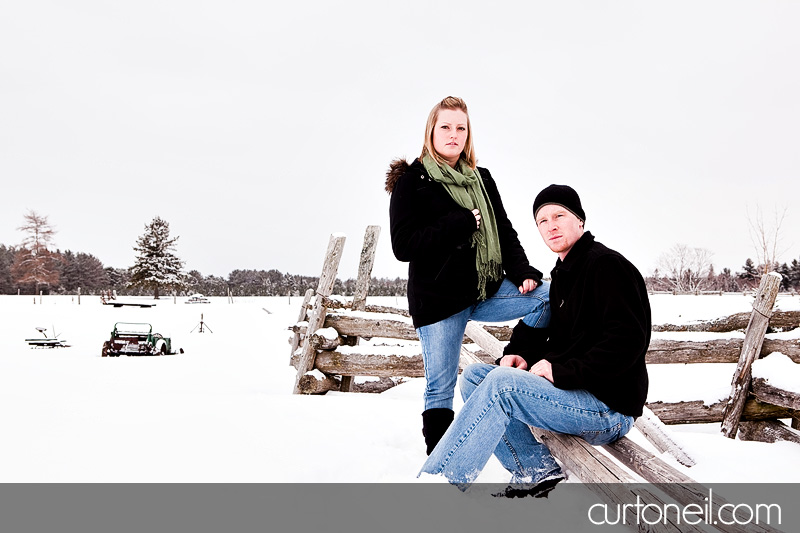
point(527, 286)
point(514, 361)
point(543, 368)
point(477, 218)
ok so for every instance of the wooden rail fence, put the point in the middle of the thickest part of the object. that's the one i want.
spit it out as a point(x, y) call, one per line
point(327, 354)
point(330, 356)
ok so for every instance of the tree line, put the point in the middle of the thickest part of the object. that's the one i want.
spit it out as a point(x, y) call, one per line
point(686, 270)
point(32, 267)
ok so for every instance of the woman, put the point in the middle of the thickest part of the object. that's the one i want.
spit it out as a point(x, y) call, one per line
point(466, 262)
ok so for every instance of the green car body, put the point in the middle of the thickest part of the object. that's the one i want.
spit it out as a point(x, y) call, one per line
point(136, 338)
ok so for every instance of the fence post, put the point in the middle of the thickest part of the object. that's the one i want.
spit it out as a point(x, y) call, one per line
point(753, 340)
point(362, 282)
point(302, 317)
point(318, 311)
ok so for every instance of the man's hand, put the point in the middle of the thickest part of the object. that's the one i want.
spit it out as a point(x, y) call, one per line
point(514, 361)
point(543, 368)
point(527, 286)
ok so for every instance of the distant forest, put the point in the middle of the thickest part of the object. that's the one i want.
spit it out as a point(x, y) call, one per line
point(87, 272)
point(31, 268)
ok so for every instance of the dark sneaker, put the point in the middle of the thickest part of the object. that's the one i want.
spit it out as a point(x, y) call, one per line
point(540, 490)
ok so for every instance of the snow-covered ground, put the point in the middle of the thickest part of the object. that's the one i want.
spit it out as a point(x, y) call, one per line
point(223, 411)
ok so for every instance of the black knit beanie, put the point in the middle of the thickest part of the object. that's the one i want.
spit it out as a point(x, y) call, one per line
point(562, 195)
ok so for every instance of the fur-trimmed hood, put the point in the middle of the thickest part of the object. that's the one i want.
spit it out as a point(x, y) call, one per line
point(397, 168)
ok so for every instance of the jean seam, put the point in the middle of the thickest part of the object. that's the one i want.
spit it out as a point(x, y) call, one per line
point(491, 405)
point(513, 453)
point(545, 313)
point(471, 428)
point(563, 406)
point(615, 427)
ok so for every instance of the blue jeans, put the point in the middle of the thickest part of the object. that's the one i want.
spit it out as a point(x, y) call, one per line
point(441, 341)
point(499, 405)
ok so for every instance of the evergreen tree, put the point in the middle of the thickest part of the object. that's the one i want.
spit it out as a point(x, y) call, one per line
point(194, 281)
point(118, 278)
point(726, 281)
point(68, 275)
point(794, 274)
point(291, 285)
point(785, 273)
point(750, 274)
point(156, 265)
point(7, 254)
point(88, 273)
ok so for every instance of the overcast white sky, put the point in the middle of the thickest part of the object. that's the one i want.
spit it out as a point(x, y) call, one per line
point(258, 128)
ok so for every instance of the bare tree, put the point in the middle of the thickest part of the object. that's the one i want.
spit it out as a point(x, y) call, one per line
point(686, 269)
point(766, 238)
point(39, 232)
point(34, 263)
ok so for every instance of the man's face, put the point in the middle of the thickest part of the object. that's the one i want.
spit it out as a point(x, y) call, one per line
point(559, 228)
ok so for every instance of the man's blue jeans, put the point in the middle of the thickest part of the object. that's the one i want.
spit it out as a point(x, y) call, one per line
point(499, 405)
point(441, 341)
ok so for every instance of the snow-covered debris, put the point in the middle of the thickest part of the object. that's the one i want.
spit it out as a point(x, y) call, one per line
point(327, 333)
point(672, 383)
point(315, 373)
point(382, 351)
point(779, 370)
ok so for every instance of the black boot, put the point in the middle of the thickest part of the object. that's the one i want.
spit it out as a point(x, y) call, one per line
point(434, 423)
point(526, 341)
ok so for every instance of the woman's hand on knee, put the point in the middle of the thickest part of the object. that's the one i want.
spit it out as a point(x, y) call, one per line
point(514, 361)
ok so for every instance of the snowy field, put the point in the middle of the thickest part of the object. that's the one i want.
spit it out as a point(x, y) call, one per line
point(223, 410)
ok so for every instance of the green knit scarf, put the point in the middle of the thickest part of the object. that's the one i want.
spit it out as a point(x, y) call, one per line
point(465, 186)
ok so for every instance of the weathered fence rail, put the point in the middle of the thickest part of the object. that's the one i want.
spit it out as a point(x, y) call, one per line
point(327, 355)
point(778, 320)
point(661, 351)
point(336, 358)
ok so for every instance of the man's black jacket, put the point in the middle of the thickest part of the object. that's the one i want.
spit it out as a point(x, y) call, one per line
point(600, 327)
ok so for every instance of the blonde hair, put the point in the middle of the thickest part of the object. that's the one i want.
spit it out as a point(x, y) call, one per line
point(453, 103)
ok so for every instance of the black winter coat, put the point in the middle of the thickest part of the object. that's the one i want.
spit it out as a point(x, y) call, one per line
point(432, 232)
point(600, 327)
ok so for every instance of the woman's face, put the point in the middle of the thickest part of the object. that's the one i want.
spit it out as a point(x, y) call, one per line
point(450, 135)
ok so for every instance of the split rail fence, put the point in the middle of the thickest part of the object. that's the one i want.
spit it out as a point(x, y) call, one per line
point(336, 325)
point(327, 355)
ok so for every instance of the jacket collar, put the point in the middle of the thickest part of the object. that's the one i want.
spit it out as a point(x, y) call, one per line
point(577, 254)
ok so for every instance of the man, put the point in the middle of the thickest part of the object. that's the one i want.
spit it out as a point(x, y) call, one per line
point(583, 375)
